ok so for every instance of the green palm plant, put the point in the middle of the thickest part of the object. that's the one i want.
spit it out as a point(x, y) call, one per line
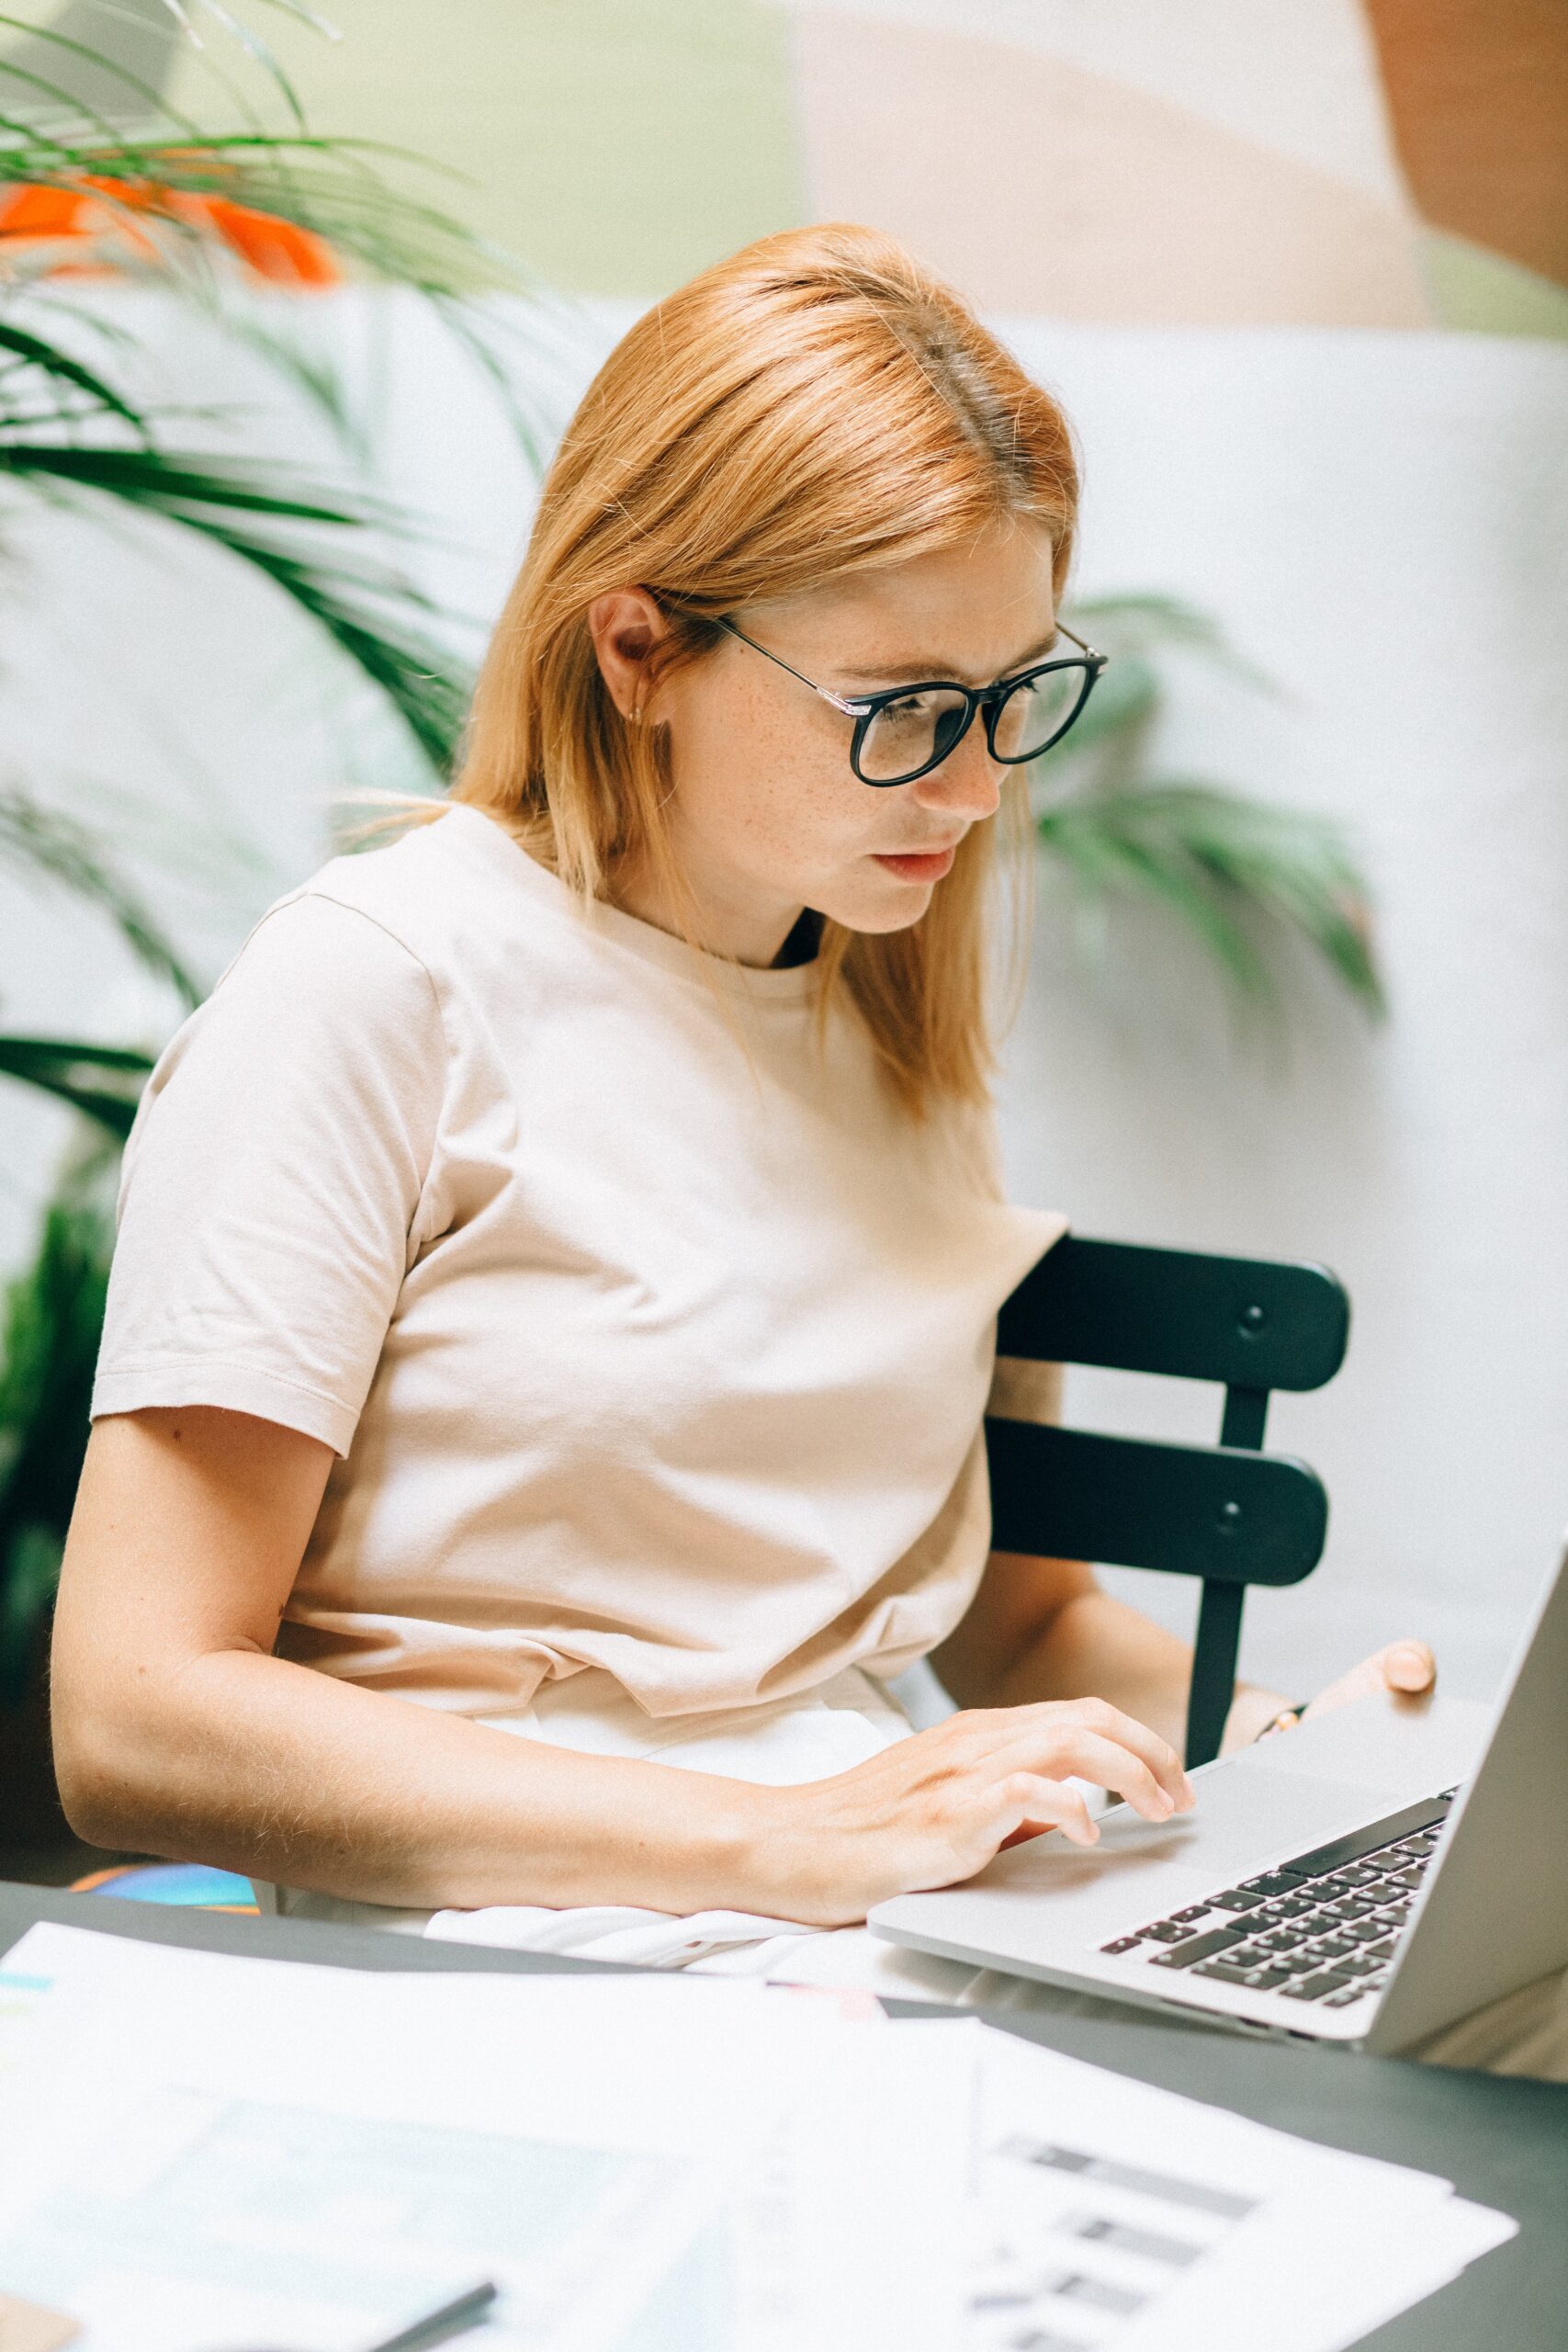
point(1240, 875)
point(154, 197)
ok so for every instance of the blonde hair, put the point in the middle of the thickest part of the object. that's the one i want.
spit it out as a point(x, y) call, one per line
point(815, 406)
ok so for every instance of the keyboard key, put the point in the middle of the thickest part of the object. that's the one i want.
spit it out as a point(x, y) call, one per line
point(1123, 1943)
point(1195, 1911)
point(1354, 1964)
point(1430, 1814)
point(1332, 1947)
point(1366, 1931)
point(1409, 1879)
point(1313, 1988)
point(1165, 1932)
point(1343, 2000)
point(1195, 1947)
point(1265, 1980)
point(1280, 1882)
point(1224, 1970)
point(1350, 1907)
point(1235, 1898)
point(1382, 1950)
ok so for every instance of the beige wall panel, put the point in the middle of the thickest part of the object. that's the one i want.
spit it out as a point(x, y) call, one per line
point(1300, 75)
point(1038, 186)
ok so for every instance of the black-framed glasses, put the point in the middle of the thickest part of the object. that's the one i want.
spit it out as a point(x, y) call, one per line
point(909, 730)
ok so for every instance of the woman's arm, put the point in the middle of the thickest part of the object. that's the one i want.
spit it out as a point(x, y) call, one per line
point(177, 1732)
point(1042, 1629)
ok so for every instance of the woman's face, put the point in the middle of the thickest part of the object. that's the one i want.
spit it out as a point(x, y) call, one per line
point(767, 814)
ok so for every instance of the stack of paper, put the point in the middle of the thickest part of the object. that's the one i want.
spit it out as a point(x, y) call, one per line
point(199, 2153)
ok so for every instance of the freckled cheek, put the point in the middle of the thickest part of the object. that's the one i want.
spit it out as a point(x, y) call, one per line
point(801, 805)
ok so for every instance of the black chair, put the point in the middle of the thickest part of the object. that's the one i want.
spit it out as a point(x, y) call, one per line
point(1230, 1514)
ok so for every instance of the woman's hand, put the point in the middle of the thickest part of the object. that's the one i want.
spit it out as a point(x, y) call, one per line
point(1406, 1666)
point(935, 1808)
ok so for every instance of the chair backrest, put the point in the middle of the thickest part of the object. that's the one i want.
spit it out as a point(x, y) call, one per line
point(1229, 1514)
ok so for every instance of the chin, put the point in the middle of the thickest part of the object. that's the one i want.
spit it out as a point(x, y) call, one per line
point(893, 908)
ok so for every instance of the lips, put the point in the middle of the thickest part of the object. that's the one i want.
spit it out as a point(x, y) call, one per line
point(919, 865)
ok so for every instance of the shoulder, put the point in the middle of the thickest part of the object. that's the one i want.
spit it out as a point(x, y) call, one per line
point(367, 928)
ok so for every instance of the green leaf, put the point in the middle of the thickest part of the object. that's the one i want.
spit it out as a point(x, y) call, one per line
point(52, 1319)
point(1229, 868)
point(34, 352)
point(1152, 623)
point(66, 1068)
point(370, 612)
point(36, 840)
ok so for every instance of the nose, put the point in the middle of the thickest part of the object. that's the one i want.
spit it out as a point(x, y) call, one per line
point(968, 782)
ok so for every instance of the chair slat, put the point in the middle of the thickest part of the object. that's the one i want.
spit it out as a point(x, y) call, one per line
point(1242, 1321)
point(1230, 1516)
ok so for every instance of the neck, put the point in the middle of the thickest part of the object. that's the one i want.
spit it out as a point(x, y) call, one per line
point(722, 920)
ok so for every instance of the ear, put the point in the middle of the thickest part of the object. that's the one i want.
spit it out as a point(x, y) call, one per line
point(626, 625)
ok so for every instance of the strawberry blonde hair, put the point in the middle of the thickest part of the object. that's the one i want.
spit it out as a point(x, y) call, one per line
point(819, 405)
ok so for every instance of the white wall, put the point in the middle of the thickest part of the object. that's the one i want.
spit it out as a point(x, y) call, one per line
point(1381, 521)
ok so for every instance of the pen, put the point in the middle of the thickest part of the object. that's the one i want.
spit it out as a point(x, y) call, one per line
point(452, 2318)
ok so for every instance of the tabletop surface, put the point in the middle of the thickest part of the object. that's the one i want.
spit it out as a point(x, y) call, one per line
point(1501, 2142)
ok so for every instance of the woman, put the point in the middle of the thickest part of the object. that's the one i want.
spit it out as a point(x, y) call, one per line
point(558, 1267)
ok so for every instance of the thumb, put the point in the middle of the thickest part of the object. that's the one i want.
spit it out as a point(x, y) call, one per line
point(1410, 1666)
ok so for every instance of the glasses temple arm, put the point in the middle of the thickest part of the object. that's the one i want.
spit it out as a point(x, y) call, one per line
point(1063, 631)
point(850, 709)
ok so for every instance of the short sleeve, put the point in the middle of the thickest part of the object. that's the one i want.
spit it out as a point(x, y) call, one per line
point(273, 1181)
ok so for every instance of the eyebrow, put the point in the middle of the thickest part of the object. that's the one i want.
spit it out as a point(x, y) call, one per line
point(901, 673)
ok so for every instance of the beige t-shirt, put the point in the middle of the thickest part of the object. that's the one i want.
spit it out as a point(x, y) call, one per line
point(650, 1335)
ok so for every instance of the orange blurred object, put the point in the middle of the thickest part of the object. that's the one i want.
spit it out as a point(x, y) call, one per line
point(271, 248)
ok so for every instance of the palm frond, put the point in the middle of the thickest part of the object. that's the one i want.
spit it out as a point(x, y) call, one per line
point(52, 1318)
point(34, 355)
point(1150, 624)
point(371, 613)
point(1229, 868)
point(35, 840)
point(69, 1069)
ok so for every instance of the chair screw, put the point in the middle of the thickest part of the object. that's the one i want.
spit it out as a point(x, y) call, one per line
point(1253, 1319)
point(1229, 1518)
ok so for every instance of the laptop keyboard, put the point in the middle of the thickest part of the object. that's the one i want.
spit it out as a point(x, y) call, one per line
point(1322, 1927)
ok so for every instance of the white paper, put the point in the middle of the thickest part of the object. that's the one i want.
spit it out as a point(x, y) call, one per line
point(208, 2150)
point(201, 2152)
point(1115, 2214)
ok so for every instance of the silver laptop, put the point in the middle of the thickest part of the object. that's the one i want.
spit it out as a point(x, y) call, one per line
point(1365, 1879)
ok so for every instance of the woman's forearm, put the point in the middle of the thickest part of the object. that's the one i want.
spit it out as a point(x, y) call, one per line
point(266, 1767)
point(1093, 1644)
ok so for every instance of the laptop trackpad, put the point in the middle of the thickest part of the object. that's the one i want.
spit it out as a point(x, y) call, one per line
point(1279, 1798)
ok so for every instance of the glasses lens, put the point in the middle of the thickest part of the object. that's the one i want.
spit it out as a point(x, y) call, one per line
point(1035, 714)
point(909, 734)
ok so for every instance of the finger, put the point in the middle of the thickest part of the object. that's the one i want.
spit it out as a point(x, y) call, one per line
point(1027, 1803)
point(1409, 1665)
point(1145, 1762)
point(1088, 1757)
point(1373, 1675)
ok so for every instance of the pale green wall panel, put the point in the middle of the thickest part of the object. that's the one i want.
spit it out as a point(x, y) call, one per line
point(616, 145)
point(1474, 288)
